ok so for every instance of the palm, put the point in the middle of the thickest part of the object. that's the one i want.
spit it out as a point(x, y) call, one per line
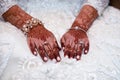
point(43, 41)
point(74, 42)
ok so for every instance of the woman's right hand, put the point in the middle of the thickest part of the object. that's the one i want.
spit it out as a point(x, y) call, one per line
point(40, 40)
point(43, 42)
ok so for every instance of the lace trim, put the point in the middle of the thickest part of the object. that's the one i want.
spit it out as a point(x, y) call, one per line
point(5, 5)
point(98, 4)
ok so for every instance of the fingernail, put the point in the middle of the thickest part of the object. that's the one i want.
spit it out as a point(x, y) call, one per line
point(78, 57)
point(45, 58)
point(35, 53)
point(86, 51)
point(58, 58)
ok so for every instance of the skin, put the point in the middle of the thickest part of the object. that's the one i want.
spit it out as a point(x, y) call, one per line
point(71, 46)
point(36, 40)
point(37, 36)
point(41, 41)
point(71, 40)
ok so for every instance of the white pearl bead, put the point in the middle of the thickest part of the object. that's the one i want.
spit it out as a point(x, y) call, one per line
point(24, 26)
point(76, 27)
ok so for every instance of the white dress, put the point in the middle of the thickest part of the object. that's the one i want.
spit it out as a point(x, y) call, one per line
point(101, 63)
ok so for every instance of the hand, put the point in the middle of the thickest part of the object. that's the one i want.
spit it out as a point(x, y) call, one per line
point(42, 41)
point(74, 43)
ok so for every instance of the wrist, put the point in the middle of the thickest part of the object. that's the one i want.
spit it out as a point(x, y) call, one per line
point(86, 17)
point(19, 18)
point(30, 24)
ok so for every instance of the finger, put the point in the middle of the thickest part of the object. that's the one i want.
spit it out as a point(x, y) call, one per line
point(78, 56)
point(56, 54)
point(43, 55)
point(49, 51)
point(68, 48)
point(32, 46)
point(56, 50)
point(72, 48)
point(79, 51)
point(50, 54)
point(70, 53)
point(73, 53)
point(56, 45)
point(66, 52)
point(62, 42)
point(86, 49)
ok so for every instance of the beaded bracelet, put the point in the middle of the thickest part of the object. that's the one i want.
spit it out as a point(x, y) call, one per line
point(19, 18)
point(86, 17)
point(30, 24)
point(77, 28)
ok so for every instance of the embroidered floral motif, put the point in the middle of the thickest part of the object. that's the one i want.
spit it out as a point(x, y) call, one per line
point(5, 52)
point(30, 64)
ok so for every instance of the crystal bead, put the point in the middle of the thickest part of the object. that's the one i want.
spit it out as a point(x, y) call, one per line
point(24, 26)
point(76, 27)
point(30, 24)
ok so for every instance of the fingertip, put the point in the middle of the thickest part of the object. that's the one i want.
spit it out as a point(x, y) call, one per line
point(45, 59)
point(35, 53)
point(43, 55)
point(32, 46)
point(69, 56)
point(58, 59)
point(72, 54)
point(86, 48)
point(85, 51)
point(78, 57)
point(65, 55)
point(33, 50)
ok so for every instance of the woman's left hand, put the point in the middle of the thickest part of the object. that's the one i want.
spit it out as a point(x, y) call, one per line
point(74, 43)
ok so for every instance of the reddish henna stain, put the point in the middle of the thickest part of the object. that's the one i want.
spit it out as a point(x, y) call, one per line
point(36, 36)
point(70, 40)
point(39, 35)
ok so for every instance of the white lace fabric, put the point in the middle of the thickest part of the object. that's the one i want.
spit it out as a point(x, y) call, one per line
point(101, 63)
point(5, 5)
point(5, 52)
point(100, 5)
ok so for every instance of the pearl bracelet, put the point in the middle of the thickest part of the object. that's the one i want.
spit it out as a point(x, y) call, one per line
point(77, 28)
point(30, 24)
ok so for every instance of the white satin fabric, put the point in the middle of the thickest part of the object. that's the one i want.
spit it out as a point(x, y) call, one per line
point(101, 63)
